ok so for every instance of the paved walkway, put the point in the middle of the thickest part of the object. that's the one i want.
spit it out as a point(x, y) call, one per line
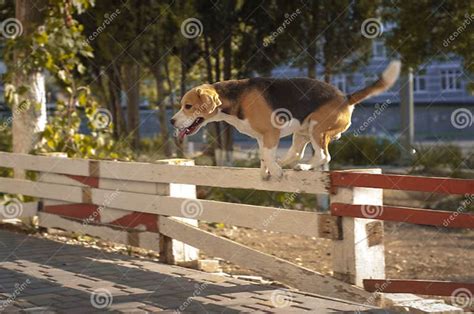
point(43, 276)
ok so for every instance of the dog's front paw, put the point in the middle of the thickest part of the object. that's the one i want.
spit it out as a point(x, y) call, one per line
point(303, 167)
point(276, 172)
point(264, 174)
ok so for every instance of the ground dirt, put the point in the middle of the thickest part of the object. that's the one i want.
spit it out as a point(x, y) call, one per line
point(411, 251)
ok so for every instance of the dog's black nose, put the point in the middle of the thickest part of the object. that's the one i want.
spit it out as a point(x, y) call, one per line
point(173, 121)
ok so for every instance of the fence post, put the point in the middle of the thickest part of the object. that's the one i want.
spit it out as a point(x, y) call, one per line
point(45, 201)
point(360, 253)
point(173, 251)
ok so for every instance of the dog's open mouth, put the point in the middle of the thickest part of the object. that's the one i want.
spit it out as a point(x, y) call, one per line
point(190, 130)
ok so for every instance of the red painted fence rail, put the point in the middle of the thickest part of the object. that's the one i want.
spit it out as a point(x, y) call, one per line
point(424, 287)
point(447, 219)
point(402, 182)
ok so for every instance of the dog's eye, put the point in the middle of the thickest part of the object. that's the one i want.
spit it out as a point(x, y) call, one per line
point(188, 106)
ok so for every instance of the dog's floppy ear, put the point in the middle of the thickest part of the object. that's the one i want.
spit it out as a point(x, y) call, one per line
point(209, 96)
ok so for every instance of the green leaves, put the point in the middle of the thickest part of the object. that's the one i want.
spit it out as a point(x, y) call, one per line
point(59, 47)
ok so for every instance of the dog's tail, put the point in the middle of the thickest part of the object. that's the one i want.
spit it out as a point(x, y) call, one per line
point(386, 80)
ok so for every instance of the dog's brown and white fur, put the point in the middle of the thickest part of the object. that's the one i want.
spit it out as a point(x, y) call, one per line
point(319, 113)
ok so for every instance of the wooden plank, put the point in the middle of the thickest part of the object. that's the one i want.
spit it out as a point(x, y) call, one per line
point(62, 179)
point(45, 163)
point(405, 214)
point(360, 253)
point(423, 287)
point(88, 181)
point(18, 210)
point(41, 189)
point(257, 217)
point(107, 184)
point(402, 182)
point(143, 239)
point(271, 266)
point(225, 177)
point(88, 213)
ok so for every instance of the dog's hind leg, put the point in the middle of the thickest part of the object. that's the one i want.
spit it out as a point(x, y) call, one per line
point(296, 151)
point(320, 142)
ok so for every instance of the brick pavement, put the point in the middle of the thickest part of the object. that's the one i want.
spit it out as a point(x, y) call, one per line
point(43, 276)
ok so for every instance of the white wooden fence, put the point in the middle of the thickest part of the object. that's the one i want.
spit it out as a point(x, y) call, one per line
point(153, 205)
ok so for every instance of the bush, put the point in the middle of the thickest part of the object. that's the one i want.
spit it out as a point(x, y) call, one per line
point(437, 159)
point(364, 150)
point(151, 149)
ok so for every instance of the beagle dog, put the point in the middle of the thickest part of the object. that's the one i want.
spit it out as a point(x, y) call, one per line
point(268, 109)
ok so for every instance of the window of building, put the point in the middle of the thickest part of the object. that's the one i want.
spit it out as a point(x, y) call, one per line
point(340, 82)
point(419, 82)
point(450, 79)
point(378, 49)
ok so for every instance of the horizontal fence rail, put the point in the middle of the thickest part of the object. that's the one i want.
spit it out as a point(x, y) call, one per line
point(402, 182)
point(251, 216)
point(405, 214)
point(424, 287)
point(224, 177)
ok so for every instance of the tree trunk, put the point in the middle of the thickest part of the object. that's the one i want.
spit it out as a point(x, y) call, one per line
point(211, 129)
point(162, 116)
point(227, 138)
point(132, 90)
point(114, 86)
point(207, 59)
point(182, 87)
point(311, 65)
point(171, 87)
point(217, 139)
point(182, 81)
point(327, 73)
point(28, 110)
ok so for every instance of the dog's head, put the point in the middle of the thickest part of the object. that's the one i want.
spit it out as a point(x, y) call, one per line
point(197, 106)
